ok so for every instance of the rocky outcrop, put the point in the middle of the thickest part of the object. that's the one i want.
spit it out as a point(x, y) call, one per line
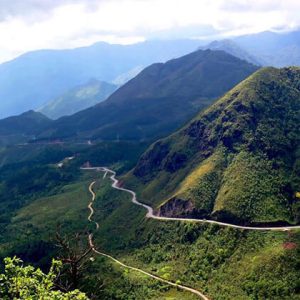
point(176, 207)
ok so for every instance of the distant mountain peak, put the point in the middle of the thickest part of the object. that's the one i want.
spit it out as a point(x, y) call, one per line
point(232, 48)
point(158, 100)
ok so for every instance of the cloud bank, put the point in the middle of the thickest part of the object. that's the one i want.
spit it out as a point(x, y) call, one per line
point(27, 25)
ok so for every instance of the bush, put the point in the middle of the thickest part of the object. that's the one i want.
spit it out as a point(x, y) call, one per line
point(28, 283)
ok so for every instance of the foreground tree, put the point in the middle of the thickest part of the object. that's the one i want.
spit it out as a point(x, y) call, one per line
point(29, 283)
point(75, 254)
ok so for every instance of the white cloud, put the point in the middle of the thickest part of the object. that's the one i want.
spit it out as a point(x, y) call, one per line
point(35, 24)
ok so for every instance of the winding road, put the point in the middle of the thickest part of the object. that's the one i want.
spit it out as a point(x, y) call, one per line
point(150, 214)
point(150, 211)
point(90, 206)
point(91, 243)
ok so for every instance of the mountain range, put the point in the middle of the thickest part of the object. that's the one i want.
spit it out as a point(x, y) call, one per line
point(271, 48)
point(264, 48)
point(33, 79)
point(36, 78)
point(226, 148)
point(234, 49)
point(157, 101)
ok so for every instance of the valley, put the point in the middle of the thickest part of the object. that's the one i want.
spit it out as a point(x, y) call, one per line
point(161, 170)
point(121, 223)
point(139, 252)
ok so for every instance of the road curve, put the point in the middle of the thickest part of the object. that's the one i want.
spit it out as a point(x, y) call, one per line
point(150, 211)
point(90, 206)
point(90, 239)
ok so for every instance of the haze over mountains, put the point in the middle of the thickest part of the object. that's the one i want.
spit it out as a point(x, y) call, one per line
point(209, 135)
point(78, 98)
point(234, 49)
point(264, 48)
point(160, 99)
point(273, 49)
point(33, 79)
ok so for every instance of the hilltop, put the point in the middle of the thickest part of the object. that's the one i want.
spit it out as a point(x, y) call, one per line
point(237, 161)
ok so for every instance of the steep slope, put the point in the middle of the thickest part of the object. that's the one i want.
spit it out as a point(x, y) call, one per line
point(78, 98)
point(238, 161)
point(157, 101)
point(35, 78)
point(232, 48)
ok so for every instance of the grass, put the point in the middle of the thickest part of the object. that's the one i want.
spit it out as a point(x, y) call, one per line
point(38, 222)
point(224, 263)
point(70, 204)
point(255, 128)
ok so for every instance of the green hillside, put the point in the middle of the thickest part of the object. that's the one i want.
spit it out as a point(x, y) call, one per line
point(224, 263)
point(27, 123)
point(237, 161)
point(21, 128)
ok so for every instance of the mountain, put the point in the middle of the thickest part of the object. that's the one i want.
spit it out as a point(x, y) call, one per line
point(232, 48)
point(20, 128)
point(273, 49)
point(238, 161)
point(33, 79)
point(124, 77)
point(157, 101)
point(78, 99)
point(26, 123)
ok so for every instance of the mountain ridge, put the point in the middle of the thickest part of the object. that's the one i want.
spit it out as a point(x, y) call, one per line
point(232, 161)
point(158, 100)
point(37, 77)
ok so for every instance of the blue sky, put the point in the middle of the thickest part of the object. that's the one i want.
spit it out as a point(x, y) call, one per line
point(27, 25)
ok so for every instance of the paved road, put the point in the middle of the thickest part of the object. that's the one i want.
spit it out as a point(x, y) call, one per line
point(150, 212)
point(180, 286)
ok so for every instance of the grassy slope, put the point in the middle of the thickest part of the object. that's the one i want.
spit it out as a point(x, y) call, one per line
point(34, 228)
point(236, 161)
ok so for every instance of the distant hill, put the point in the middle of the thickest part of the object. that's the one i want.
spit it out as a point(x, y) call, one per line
point(78, 99)
point(273, 49)
point(238, 161)
point(33, 79)
point(26, 123)
point(157, 101)
point(20, 128)
point(232, 48)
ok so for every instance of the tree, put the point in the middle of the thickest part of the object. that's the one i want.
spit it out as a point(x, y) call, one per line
point(75, 254)
point(28, 283)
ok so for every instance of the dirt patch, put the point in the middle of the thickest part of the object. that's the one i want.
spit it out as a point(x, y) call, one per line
point(289, 246)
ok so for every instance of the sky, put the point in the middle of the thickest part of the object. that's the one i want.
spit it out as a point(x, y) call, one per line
point(27, 25)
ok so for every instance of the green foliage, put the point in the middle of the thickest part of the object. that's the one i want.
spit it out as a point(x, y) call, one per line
point(258, 194)
point(28, 283)
point(18, 129)
point(121, 155)
point(256, 128)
